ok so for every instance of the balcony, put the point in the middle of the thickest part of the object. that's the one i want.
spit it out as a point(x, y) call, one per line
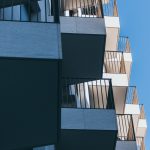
point(114, 62)
point(114, 68)
point(121, 43)
point(83, 38)
point(142, 123)
point(118, 59)
point(124, 46)
point(126, 100)
point(140, 143)
point(126, 135)
point(132, 102)
point(125, 128)
point(88, 117)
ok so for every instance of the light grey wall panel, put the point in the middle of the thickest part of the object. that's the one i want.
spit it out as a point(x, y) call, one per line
point(94, 119)
point(30, 40)
point(126, 145)
point(82, 25)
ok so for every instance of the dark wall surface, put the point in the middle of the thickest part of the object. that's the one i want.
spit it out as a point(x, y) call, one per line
point(28, 103)
point(88, 139)
point(83, 55)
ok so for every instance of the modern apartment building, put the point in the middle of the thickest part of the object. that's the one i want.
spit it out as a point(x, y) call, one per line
point(65, 73)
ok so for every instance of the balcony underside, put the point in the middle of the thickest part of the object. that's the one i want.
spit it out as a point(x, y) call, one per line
point(87, 140)
point(28, 105)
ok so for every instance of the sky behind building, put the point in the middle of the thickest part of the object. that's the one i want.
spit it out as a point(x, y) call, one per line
point(135, 23)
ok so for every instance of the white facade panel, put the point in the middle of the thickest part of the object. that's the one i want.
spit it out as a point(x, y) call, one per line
point(127, 57)
point(112, 22)
point(142, 123)
point(132, 109)
point(142, 128)
point(117, 79)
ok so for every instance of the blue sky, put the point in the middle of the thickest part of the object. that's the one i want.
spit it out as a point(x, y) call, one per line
point(135, 23)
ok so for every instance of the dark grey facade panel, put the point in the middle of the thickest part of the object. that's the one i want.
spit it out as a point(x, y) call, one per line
point(87, 140)
point(83, 55)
